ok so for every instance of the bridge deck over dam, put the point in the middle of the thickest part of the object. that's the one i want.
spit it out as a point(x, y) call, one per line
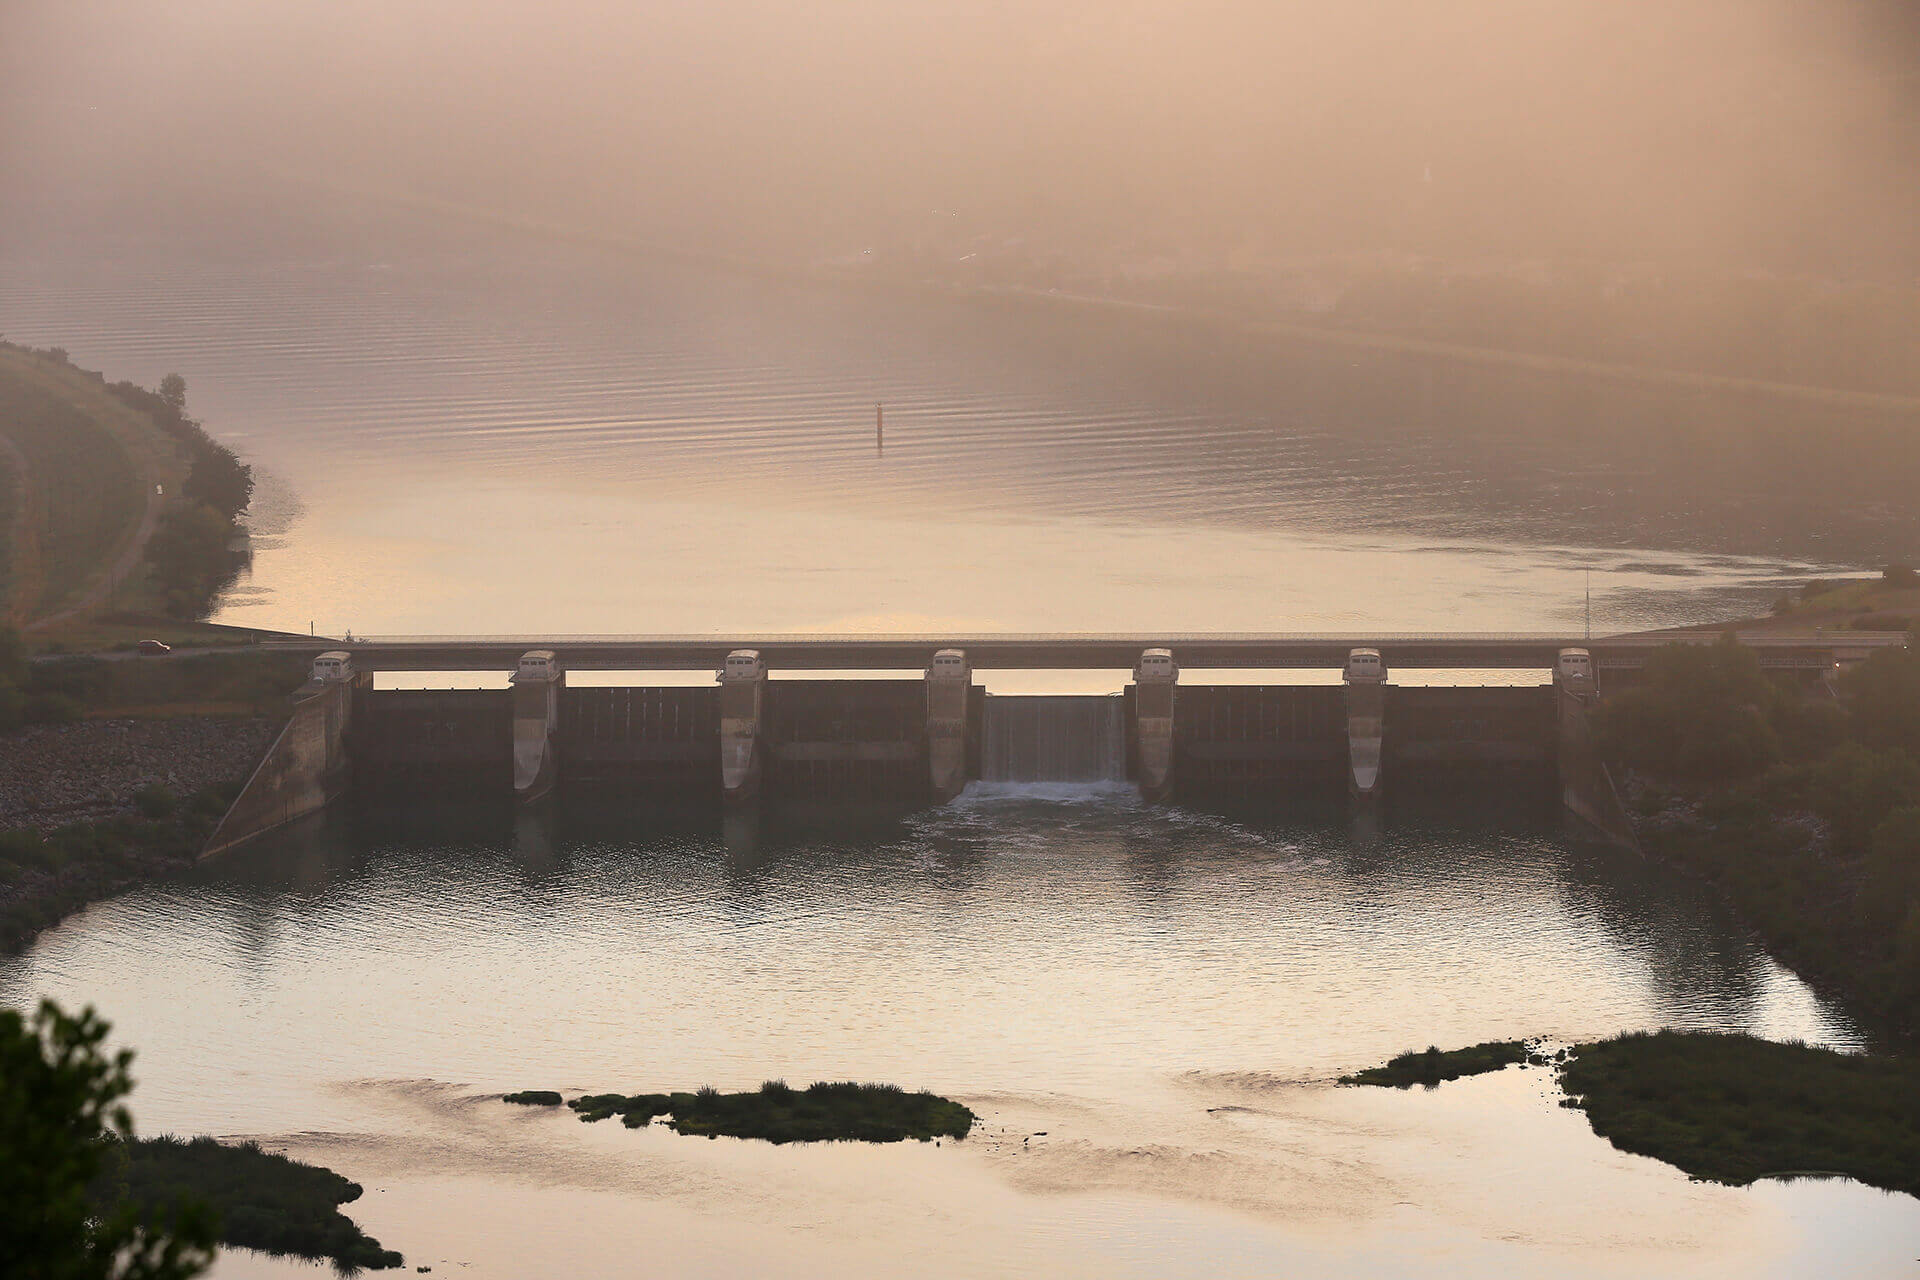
point(1113, 651)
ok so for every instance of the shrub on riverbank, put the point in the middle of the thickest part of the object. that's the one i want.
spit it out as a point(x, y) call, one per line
point(1731, 1108)
point(44, 877)
point(193, 559)
point(1701, 713)
point(62, 1113)
point(1435, 1066)
point(1812, 851)
point(192, 551)
point(777, 1113)
point(259, 1200)
point(260, 681)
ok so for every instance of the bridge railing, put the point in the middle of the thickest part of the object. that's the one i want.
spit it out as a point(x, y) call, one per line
point(1067, 639)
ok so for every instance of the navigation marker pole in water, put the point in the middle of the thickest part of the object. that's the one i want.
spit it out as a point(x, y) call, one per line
point(1589, 604)
point(879, 428)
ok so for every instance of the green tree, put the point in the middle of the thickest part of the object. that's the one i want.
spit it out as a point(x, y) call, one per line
point(173, 389)
point(1857, 788)
point(219, 480)
point(1883, 697)
point(61, 1110)
point(1893, 866)
point(1702, 712)
point(191, 559)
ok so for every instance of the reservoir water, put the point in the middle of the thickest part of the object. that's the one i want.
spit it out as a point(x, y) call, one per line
point(463, 431)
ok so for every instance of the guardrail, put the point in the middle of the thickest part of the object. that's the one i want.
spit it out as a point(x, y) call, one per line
point(1105, 650)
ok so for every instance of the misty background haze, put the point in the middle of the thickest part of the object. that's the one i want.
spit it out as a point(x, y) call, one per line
point(405, 253)
point(1762, 135)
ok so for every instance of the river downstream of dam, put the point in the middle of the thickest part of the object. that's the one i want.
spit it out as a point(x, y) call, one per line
point(1147, 1007)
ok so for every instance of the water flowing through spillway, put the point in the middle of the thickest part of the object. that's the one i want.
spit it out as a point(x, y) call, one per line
point(1053, 738)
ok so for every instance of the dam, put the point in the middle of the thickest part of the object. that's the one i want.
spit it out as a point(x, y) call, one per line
point(858, 734)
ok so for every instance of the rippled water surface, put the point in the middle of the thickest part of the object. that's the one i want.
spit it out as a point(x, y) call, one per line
point(462, 431)
point(1145, 1006)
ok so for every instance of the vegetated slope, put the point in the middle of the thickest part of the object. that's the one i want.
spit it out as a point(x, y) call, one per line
point(89, 496)
point(133, 500)
point(12, 476)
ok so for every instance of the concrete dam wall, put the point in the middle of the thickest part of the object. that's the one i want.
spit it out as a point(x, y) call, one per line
point(915, 742)
point(1241, 741)
point(407, 739)
point(854, 738)
point(870, 739)
point(641, 740)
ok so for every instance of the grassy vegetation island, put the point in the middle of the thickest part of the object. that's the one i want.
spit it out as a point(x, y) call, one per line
point(258, 1200)
point(1802, 805)
point(778, 1113)
point(1436, 1066)
point(1725, 1108)
point(1732, 1109)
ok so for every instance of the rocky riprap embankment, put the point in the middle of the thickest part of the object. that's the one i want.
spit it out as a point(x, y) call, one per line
point(51, 775)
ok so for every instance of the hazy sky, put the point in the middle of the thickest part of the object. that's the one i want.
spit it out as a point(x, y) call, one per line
point(1770, 133)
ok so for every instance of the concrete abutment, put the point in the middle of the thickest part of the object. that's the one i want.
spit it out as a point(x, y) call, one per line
point(307, 768)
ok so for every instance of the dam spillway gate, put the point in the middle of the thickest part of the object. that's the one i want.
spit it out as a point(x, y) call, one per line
point(1053, 738)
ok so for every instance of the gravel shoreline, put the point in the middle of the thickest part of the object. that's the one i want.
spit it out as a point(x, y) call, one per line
point(51, 775)
point(85, 776)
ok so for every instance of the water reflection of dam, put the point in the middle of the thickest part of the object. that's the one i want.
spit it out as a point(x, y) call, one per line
point(920, 741)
